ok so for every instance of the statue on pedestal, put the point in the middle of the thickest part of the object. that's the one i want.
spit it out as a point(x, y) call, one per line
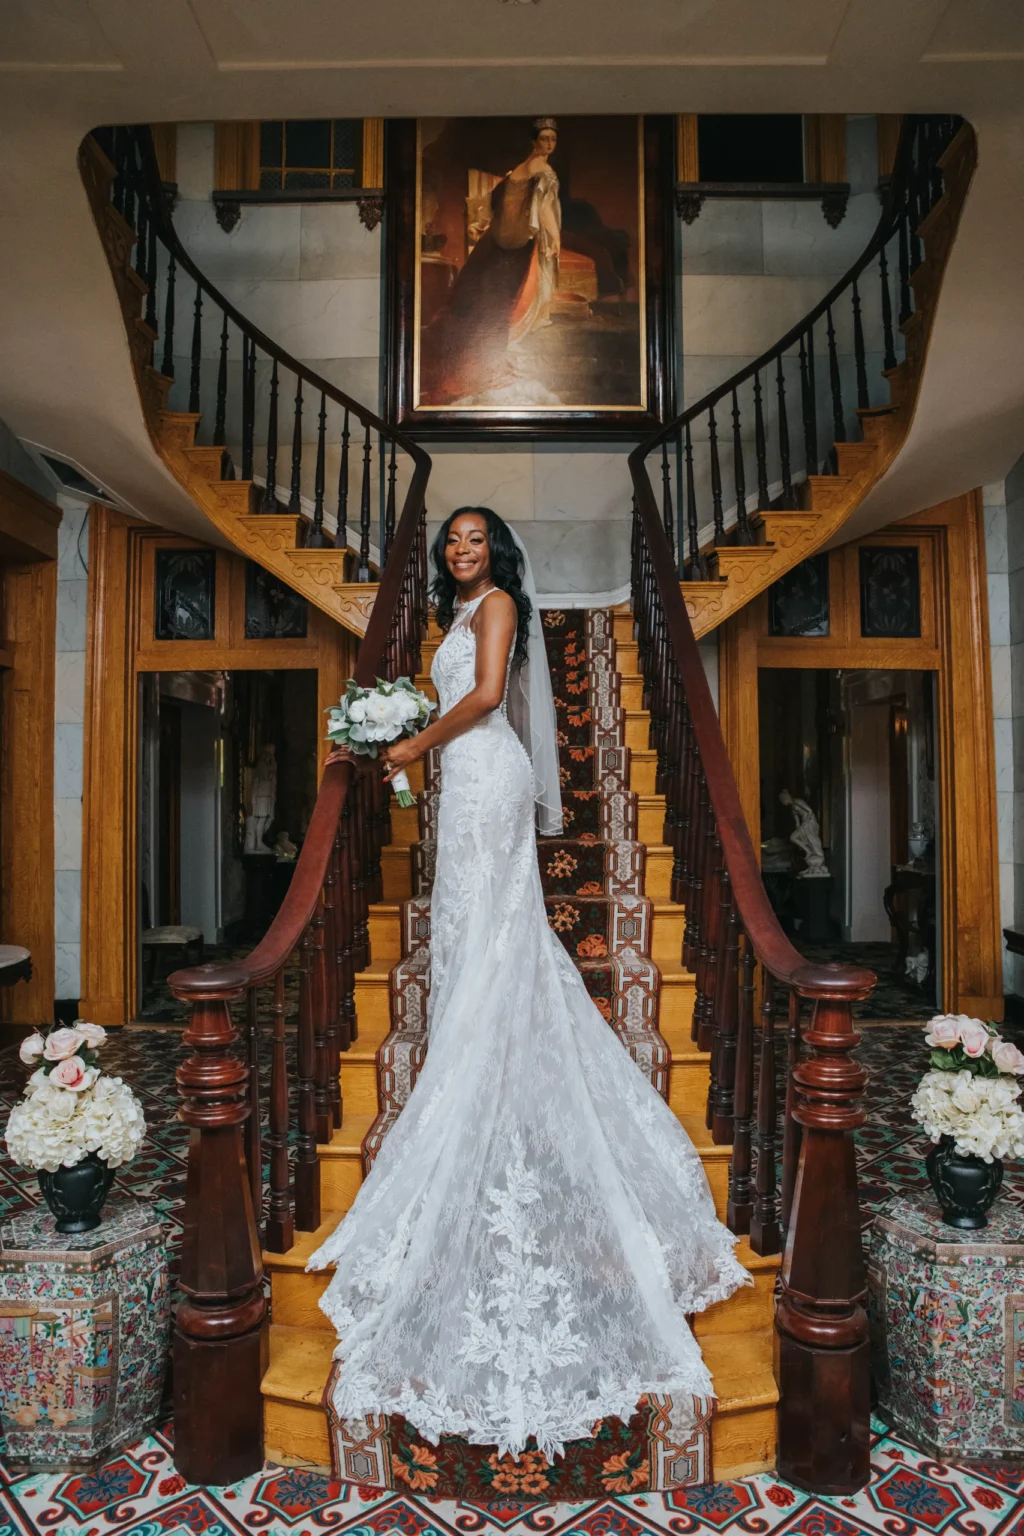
point(806, 836)
point(262, 797)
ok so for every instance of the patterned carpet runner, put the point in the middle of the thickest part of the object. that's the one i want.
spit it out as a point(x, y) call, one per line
point(593, 881)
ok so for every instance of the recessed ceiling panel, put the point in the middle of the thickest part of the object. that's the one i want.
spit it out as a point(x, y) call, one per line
point(978, 29)
point(60, 34)
point(255, 34)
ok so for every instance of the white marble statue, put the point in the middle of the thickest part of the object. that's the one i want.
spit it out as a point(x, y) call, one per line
point(262, 798)
point(806, 836)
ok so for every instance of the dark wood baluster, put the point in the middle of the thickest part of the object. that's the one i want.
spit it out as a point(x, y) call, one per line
point(360, 904)
point(807, 407)
point(765, 1233)
point(824, 1373)
point(197, 352)
point(792, 1134)
point(363, 572)
point(716, 480)
point(248, 405)
point(270, 489)
point(307, 1165)
point(680, 509)
point(904, 265)
point(723, 1040)
point(696, 798)
point(760, 448)
point(167, 365)
point(222, 384)
point(341, 536)
point(697, 569)
point(280, 1222)
point(389, 506)
point(812, 398)
point(712, 934)
point(667, 515)
point(682, 821)
point(151, 277)
point(142, 238)
point(835, 384)
point(346, 926)
point(740, 1204)
point(253, 1128)
point(219, 1325)
point(742, 534)
point(295, 498)
point(889, 360)
point(332, 994)
point(858, 351)
point(322, 1069)
point(789, 497)
point(316, 538)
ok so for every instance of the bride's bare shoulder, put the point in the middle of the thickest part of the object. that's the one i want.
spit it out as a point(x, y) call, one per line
point(496, 611)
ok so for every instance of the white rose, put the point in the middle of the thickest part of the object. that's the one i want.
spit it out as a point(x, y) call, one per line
point(943, 1032)
point(973, 1037)
point(92, 1035)
point(1007, 1057)
point(357, 709)
point(61, 1043)
point(31, 1048)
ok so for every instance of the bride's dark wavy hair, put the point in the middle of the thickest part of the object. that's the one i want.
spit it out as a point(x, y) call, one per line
point(506, 573)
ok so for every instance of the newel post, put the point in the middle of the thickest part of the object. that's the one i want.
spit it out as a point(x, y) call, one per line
point(220, 1326)
point(824, 1412)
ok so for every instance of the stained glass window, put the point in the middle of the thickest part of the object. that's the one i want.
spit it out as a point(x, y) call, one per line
point(184, 605)
point(798, 601)
point(890, 592)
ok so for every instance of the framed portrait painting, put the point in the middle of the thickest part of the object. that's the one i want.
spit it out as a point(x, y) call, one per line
point(529, 268)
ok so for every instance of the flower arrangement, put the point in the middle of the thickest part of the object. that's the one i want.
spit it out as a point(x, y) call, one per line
point(366, 719)
point(70, 1109)
point(970, 1093)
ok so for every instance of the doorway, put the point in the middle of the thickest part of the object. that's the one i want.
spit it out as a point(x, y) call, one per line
point(850, 849)
point(227, 781)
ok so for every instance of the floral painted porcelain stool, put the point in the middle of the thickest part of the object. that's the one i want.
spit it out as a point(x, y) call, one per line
point(947, 1326)
point(84, 1326)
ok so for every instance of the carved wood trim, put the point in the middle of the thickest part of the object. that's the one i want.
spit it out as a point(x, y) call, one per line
point(29, 594)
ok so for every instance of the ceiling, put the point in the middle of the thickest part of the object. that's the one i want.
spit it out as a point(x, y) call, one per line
point(85, 62)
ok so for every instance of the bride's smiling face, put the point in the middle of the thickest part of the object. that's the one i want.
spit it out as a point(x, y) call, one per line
point(467, 552)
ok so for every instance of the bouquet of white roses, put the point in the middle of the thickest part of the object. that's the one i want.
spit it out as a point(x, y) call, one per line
point(366, 719)
point(70, 1108)
point(971, 1092)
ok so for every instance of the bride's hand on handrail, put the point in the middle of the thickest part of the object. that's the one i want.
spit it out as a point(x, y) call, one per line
point(342, 754)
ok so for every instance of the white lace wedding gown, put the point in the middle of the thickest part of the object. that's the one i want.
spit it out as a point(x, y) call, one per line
point(537, 1224)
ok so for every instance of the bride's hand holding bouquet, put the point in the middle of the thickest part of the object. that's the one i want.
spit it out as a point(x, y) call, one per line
point(386, 718)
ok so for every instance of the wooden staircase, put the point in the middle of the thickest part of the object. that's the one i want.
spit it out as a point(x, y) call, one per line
point(736, 1335)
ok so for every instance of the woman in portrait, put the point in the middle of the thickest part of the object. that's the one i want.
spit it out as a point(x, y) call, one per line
point(504, 292)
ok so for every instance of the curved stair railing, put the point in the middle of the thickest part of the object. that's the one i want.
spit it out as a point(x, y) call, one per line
point(220, 1333)
point(307, 481)
point(764, 468)
point(733, 942)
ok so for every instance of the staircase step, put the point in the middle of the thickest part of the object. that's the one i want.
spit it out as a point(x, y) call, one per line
point(396, 871)
point(638, 730)
point(668, 921)
point(643, 769)
point(743, 1433)
point(341, 1161)
point(650, 826)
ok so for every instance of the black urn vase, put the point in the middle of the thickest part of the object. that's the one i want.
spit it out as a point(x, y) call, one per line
point(76, 1195)
point(965, 1187)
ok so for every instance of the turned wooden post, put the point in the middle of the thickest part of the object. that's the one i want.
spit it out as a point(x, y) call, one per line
point(219, 1333)
point(824, 1411)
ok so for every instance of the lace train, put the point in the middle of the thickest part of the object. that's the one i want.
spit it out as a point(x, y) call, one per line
point(521, 1259)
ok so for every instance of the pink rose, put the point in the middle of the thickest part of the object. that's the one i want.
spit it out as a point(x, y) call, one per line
point(943, 1031)
point(73, 1074)
point(61, 1043)
point(92, 1035)
point(973, 1037)
point(31, 1048)
point(1007, 1057)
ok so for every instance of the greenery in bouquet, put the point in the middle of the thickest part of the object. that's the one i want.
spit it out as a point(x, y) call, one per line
point(366, 719)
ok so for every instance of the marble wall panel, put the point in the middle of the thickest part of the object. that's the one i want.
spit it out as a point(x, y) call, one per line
point(70, 688)
point(68, 748)
point(336, 243)
point(72, 614)
point(68, 738)
point(725, 238)
point(468, 475)
point(737, 316)
point(573, 555)
point(68, 891)
point(578, 483)
point(336, 317)
point(67, 826)
point(263, 245)
point(195, 160)
point(798, 241)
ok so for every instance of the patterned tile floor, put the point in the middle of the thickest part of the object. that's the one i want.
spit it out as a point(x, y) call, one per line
point(138, 1493)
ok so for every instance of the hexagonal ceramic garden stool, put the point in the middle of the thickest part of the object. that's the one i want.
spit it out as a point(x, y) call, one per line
point(84, 1324)
point(947, 1326)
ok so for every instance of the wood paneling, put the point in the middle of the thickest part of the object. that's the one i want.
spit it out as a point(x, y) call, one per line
point(954, 644)
point(825, 146)
point(28, 523)
point(237, 157)
point(26, 783)
point(121, 646)
point(687, 156)
point(165, 146)
point(888, 129)
point(373, 152)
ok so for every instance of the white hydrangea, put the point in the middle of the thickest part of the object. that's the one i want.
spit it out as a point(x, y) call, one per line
point(981, 1114)
point(53, 1126)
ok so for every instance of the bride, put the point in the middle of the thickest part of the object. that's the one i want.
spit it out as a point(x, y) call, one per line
point(522, 1257)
